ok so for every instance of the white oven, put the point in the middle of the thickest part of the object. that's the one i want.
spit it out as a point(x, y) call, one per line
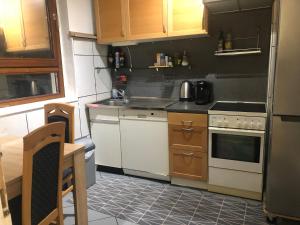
point(236, 149)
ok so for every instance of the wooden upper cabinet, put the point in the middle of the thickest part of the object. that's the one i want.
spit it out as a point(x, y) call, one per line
point(130, 20)
point(188, 17)
point(110, 20)
point(146, 19)
point(25, 25)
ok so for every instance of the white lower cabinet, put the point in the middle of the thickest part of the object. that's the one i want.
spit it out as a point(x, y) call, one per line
point(105, 129)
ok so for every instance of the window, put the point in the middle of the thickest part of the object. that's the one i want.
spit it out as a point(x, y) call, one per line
point(30, 59)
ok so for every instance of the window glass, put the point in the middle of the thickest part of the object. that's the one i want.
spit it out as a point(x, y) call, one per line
point(24, 29)
point(14, 86)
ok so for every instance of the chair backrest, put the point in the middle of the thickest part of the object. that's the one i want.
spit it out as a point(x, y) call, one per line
point(42, 174)
point(61, 112)
point(5, 218)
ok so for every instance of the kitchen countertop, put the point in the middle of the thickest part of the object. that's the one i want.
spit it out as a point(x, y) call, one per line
point(169, 105)
point(189, 107)
point(149, 103)
point(135, 103)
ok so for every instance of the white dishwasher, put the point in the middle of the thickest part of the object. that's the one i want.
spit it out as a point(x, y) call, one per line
point(144, 143)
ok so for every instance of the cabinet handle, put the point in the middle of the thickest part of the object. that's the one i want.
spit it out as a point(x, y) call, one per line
point(187, 129)
point(190, 122)
point(122, 33)
point(164, 29)
point(188, 154)
point(105, 121)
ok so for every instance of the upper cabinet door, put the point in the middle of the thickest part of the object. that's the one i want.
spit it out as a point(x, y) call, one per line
point(146, 19)
point(110, 21)
point(187, 17)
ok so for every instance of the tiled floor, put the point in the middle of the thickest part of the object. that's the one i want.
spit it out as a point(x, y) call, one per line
point(125, 200)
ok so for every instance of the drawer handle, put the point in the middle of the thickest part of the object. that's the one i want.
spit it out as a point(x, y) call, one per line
point(187, 122)
point(142, 116)
point(188, 154)
point(187, 129)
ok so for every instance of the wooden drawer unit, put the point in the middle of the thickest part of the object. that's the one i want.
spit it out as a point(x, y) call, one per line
point(188, 119)
point(193, 138)
point(188, 145)
point(188, 164)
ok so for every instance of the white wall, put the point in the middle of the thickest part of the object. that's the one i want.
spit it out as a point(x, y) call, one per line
point(83, 83)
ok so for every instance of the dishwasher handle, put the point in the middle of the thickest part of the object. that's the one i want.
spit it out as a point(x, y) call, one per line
point(105, 121)
point(142, 116)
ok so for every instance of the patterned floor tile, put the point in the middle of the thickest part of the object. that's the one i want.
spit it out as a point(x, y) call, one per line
point(149, 202)
point(173, 220)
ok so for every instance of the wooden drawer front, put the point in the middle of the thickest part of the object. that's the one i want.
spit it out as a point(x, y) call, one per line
point(194, 138)
point(188, 164)
point(188, 119)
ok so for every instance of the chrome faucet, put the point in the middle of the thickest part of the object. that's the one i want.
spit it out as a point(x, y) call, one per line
point(122, 92)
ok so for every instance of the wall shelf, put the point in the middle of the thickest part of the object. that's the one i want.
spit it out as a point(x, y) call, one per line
point(163, 67)
point(82, 35)
point(235, 52)
point(153, 67)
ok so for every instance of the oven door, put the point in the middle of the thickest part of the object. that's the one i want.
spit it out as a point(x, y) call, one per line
point(236, 149)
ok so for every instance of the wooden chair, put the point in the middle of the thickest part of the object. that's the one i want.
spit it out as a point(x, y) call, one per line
point(42, 175)
point(62, 112)
point(5, 218)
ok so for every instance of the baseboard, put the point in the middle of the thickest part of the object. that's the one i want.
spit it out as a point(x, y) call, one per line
point(235, 192)
point(109, 169)
point(146, 175)
point(189, 183)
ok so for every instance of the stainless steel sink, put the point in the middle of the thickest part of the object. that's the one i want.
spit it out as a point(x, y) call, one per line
point(134, 103)
point(114, 102)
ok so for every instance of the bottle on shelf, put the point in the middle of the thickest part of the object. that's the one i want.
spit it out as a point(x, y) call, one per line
point(110, 58)
point(228, 41)
point(221, 41)
point(117, 59)
point(185, 61)
point(177, 59)
point(122, 59)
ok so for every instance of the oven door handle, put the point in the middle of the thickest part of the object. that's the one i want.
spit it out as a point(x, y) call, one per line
point(236, 131)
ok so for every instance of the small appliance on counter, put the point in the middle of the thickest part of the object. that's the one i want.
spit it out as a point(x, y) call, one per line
point(203, 92)
point(186, 91)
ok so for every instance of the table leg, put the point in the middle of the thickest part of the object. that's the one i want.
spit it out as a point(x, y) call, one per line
point(80, 194)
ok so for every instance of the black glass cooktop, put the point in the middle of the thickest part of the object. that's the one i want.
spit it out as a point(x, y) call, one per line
point(240, 107)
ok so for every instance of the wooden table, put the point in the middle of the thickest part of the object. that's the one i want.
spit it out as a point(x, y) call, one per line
point(12, 149)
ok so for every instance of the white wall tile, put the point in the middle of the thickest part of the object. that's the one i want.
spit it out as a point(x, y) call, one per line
point(84, 74)
point(103, 96)
point(100, 61)
point(100, 49)
point(81, 16)
point(103, 80)
point(14, 125)
point(83, 113)
point(35, 119)
point(77, 120)
point(82, 47)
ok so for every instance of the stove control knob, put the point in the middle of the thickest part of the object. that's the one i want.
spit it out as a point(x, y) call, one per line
point(259, 126)
point(225, 123)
